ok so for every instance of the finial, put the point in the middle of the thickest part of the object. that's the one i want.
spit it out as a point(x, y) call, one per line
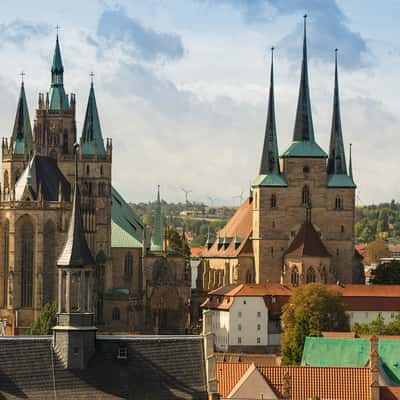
point(91, 77)
point(57, 29)
point(76, 149)
point(22, 77)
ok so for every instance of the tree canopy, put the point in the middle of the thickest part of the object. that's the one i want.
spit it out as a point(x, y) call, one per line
point(378, 327)
point(377, 250)
point(311, 309)
point(46, 322)
point(387, 273)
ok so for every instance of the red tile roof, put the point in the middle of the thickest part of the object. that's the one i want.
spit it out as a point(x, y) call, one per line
point(306, 382)
point(390, 393)
point(196, 251)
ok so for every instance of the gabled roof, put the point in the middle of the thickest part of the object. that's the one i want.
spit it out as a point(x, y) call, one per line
point(240, 227)
point(21, 138)
point(92, 138)
point(42, 174)
point(126, 226)
point(307, 243)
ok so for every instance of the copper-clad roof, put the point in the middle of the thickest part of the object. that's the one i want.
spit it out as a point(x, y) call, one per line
point(307, 242)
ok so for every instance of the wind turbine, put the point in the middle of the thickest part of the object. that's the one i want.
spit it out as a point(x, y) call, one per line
point(187, 192)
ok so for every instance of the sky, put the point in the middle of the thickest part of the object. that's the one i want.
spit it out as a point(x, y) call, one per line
point(181, 85)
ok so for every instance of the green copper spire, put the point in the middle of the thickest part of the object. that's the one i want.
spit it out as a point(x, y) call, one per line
point(336, 160)
point(21, 138)
point(92, 138)
point(270, 154)
point(350, 165)
point(304, 144)
point(58, 100)
point(158, 237)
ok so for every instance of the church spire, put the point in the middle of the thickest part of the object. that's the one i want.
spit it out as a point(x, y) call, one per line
point(21, 138)
point(76, 251)
point(158, 237)
point(58, 100)
point(92, 138)
point(350, 164)
point(303, 129)
point(270, 155)
point(336, 160)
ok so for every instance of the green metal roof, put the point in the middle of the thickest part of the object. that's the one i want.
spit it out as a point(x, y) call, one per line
point(158, 236)
point(270, 180)
point(341, 181)
point(305, 149)
point(57, 65)
point(349, 352)
point(117, 292)
point(92, 138)
point(126, 227)
point(22, 131)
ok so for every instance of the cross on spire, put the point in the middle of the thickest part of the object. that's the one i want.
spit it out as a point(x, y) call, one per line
point(58, 28)
point(22, 76)
point(91, 77)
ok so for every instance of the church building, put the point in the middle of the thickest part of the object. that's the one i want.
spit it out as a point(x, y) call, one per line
point(38, 172)
point(297, 226)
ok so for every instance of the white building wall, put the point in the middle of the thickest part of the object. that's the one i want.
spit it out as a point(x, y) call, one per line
point(365, 317)
point(220, 328)
point(248, 322)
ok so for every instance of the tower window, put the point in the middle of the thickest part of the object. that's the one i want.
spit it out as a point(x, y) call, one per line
point(65, 143)
point(87, 170)
point(101, 170)
point(342, 229)
point(128, 266)
point(273, 201)
point(305, 196)
point(310, 278)
point(294, 277)
point(338, 203)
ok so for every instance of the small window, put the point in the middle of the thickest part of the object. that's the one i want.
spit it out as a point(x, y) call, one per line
point(258, 340)
point(87, 170)
point(239, 340)
point(122, 353)
point(258, 314)
point(306, 169)
point(244, 301)
point(294, 277)
point(337, 252)
point(310, 278)
point(259, 327)
point(338, 203)
point(273, 201)
point(116, 315)
point(239, 314)
point(392, 315)
point(272, 251)
point(342, 228)
point(239, 327)
point(305, 196)
point(101, 170)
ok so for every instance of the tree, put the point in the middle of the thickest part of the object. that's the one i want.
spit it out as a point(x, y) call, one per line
point(376, 250)
point(175, 241)
point(386, 274)
point(47, 320)
point(311, 310)
point(378, 327)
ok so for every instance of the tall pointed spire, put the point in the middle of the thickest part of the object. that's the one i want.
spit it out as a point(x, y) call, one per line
point(76, 251)
point(350, 164)
point(270, 155)
point(58, 100)
point(22, 132)
point(92, 138)
point(158, 236)
point(304, 129)
point(337, 159)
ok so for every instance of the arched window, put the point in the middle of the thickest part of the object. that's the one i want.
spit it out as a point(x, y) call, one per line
point(65, 142)
point(6, 182)
point(6, 242)
point(49, 267)
point(101, 170)
point(128, 266)
point(87, 170)
point(305, 196)
point(102, 189)
point(342, 228)
point(273, 201)
point(338, 203)
point(25, 259)
point(294, 277)
point(310, 277)
point(116, 315)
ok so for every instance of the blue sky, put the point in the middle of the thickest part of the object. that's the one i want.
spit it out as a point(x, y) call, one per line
point(181, 84)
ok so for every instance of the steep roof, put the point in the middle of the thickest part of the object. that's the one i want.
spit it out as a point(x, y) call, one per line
point(42, 174)
point(22, 132)
point(126, 227)
point(307, 242)
point(92, 138)
point(157, 368)
point(158, 234)
point(240, 227)
point(306, 382)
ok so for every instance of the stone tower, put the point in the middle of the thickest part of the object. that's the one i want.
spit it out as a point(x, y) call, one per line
point(17, 152)
point(55, 125)
point(303, 182)
point(75, 333)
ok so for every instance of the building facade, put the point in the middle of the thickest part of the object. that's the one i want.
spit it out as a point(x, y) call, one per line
point(297, 226)
point(38, 171)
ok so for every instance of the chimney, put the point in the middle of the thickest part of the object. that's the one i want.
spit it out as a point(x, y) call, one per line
point(374, 366)
point(287, 386)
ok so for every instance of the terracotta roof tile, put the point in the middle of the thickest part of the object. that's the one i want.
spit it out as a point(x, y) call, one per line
point(390, 393)
point(306, 382)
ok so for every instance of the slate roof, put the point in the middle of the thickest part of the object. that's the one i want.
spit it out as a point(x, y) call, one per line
point(43, 172)
point(306, 382)
point(307, 242)
point(157, 368)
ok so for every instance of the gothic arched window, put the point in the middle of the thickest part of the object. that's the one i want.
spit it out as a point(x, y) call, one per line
point(305, 196)
point(273, 201)
point(6, 242)
point(310, 277)
point(294, 277)
point(116, 315)
point(25, 259)
point(128, 266)
point(49, 266)
point(338, 203)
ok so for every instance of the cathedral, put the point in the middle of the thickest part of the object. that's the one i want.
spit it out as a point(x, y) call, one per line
point(297, 226)
point(140, 284)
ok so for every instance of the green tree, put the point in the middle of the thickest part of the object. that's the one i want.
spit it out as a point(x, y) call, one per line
point(378, 327)
point(311, 310)
point(386, 274)
point(47, 320)
point(175, 241)
point(376, 250)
